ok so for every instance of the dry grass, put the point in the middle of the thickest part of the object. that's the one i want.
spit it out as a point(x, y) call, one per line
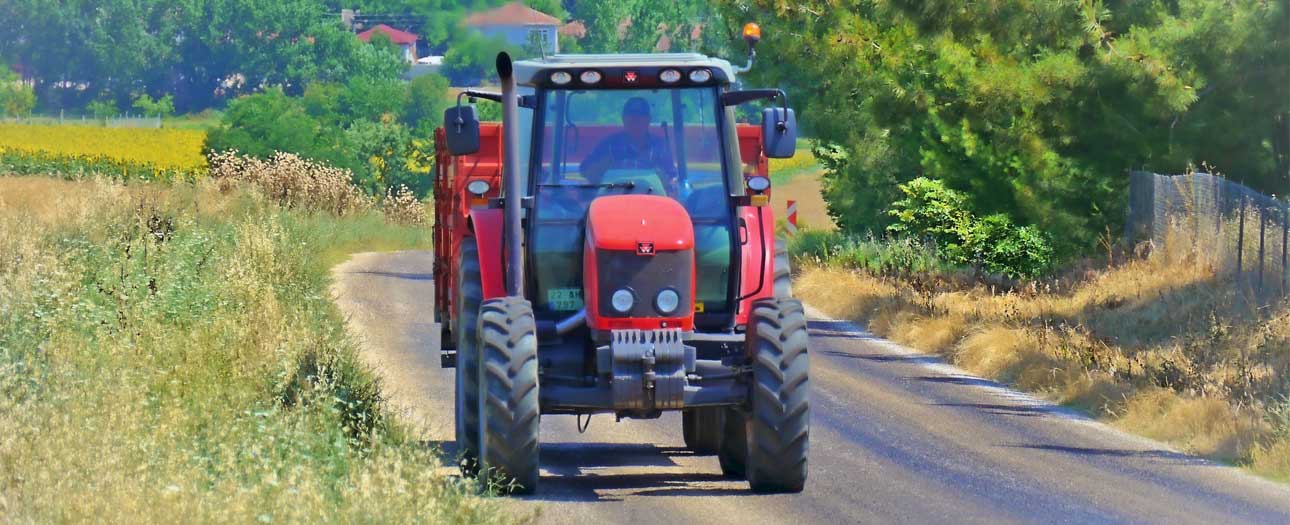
point(290, 181)
point(172, 355)
point(403, 207)
point(1160, 346)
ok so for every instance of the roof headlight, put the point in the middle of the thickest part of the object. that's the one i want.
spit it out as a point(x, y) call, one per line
point(700, 75)
point(561, 78)
point(623, 300)
point(667, 301)
point(670, 76)
point(478, 187)
point(589, 77)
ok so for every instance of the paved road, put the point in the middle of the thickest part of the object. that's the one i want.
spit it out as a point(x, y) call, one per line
point(896, 437)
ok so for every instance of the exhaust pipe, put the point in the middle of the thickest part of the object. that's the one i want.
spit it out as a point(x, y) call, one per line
point(512, 193)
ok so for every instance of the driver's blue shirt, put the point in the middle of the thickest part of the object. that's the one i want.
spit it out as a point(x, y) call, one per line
point(623, 153)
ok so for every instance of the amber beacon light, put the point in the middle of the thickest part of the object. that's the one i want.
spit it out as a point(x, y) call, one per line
point(752, 33)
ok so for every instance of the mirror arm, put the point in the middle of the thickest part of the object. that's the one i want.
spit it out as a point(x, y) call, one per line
point(735, 98)
point(486, 95)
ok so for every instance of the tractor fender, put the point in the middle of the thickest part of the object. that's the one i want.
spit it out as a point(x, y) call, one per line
point(757, 262)
point(486, 224)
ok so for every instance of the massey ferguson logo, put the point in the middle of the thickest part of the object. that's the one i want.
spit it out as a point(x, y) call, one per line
point(644, 248)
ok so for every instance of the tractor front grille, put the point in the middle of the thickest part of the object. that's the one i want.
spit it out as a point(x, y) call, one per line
point(646, 275)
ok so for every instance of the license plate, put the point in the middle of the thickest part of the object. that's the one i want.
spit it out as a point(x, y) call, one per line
point(564, 299)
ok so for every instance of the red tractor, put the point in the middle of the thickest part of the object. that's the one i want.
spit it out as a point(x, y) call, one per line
point(609, 248)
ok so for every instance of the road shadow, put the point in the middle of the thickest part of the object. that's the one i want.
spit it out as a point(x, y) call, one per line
point(1155, 454)
point(585, 471)
point(1003, 410)
point(397, 275)
point(886, 358)
point(837, 330)
point(959, 380)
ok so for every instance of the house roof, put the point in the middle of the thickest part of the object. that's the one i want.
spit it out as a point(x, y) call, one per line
point(396, 36)
point(512, 14)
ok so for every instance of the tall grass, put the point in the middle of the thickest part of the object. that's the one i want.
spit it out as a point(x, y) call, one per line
point(172, 354)
point(1161, 346)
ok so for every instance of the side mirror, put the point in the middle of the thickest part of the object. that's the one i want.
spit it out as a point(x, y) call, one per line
point(778, 132)
point(461, 128)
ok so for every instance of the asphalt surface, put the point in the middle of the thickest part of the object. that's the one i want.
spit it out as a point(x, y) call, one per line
point(895, 437)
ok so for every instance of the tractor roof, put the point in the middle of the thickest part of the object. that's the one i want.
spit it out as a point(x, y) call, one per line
point(535, 71)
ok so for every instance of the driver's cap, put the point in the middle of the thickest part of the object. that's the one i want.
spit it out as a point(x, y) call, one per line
point(636, 106)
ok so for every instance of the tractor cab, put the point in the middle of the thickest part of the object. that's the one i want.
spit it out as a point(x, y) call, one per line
point(609, 248)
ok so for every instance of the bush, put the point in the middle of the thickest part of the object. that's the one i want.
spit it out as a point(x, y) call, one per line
point(932, 212)
point(291, 181)
point(17, 98)
point(895, 256)
point(265, 123)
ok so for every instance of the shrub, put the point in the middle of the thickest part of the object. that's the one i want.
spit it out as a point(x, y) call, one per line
point(268, 122)
point(933, 212)
point(403, 207)
point(17, 98)
point(291, 181)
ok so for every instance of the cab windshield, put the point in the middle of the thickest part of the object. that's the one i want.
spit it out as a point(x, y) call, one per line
point(594, 143)
point(650, 141)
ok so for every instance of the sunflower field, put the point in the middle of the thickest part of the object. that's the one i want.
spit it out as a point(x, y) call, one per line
point(128, 153)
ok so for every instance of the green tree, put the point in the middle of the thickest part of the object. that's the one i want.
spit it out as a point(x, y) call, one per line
point(161, 107)
point(427, 98)
point(1032, 109)
point(267, 122)
point(17, 98)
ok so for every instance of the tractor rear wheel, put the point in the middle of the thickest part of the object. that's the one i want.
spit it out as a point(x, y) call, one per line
point(470, 293)
point(732, 451)
point(780, 419)
point(508, 404)
point(702, 429)
point(783, 270)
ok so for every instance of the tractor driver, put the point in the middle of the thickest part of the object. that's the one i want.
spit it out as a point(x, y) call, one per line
point(632, 148)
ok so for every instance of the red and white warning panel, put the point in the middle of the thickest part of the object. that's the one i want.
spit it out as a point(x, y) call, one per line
point(792, 217)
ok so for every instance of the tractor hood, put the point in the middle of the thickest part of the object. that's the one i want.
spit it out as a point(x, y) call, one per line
point(642, 247)
point(639, 222)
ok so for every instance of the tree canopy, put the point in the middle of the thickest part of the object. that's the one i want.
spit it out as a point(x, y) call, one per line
point(1033, 109)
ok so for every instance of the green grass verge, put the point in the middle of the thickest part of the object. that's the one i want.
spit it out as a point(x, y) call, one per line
point(174, 355)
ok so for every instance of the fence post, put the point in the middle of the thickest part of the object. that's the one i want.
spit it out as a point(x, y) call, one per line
point(1240, 238)
point(1285, 233)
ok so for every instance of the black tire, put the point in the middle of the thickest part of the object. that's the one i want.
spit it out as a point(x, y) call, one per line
point(508, 403)
point(732, 452)
point(783, 271)
point(470, 293)
point(702, 428)
point(780, 418)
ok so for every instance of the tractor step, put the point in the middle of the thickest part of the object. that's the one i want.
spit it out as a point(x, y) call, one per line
point(447, 359)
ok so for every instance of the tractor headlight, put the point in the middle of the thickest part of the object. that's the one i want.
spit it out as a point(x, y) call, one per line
point(623, 300)
point(561, 77)
point(700, 76)
point(589, 77)
point(667, 301)
point(670, 76)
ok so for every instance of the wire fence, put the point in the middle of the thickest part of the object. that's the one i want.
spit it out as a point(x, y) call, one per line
point(124, 120)
point(1235, 229)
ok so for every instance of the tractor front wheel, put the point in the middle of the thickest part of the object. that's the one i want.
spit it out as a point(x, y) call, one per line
point(780, 419)
point(702, 429)
point(508, 403)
